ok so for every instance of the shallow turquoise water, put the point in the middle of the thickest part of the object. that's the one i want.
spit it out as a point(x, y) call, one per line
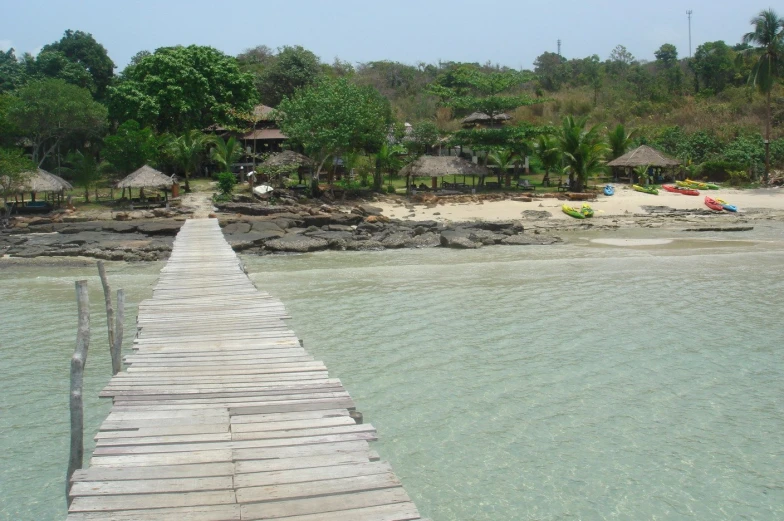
point(580, 381)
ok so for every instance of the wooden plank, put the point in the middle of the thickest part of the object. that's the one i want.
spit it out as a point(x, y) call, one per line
point(194, 513)
point(321, 505)
point(316, 488)
point(331, 472)
point(394, 512)
point(198, 470)
point(151, 486)
point(305, 462)
point(149, 501)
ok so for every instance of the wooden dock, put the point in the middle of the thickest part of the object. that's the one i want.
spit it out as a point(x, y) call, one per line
point(222, 415)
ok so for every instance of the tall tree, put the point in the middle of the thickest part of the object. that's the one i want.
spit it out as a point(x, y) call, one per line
point(619, 141)
point(81, 48)
point(553, 70)
point(226, 153)
point(49, 111)
point(714, 65)
point(583, 151)
point(293, 68)
point(549, 154)
point(334, 116)
point(182, 88)
point(186, 151)
point(130, 147)
point(12, 72)
point(768, 35)
point(13, 174)
point(84, 171)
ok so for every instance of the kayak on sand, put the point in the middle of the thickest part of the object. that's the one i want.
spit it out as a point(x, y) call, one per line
point(574, 212)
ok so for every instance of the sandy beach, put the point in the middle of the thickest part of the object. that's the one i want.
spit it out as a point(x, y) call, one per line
point(625, 202)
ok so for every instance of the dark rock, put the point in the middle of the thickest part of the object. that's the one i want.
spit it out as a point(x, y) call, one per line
point(458, 239)
point(345, 219)
point(160, 227)
point(317, 220)
point(328, 235)
point(366, 209)
point(425, 240)
point(118, 227)
point(239, 227)
point(486, 237)
point(721, 229)
point(369, 245)
point(536, 214)
point(254, 208)
point(370, 227)
point(297, 243)
point(396, 240)
point(338, 244)
point(339, 228)
point(493, 226)
point(267, 226)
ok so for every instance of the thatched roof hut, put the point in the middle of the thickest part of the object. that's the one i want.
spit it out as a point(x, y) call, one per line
point(440, 166)
point(286, 158)
point(146, 177)
point(43, 181)
point(482, 118)
point(644, 156)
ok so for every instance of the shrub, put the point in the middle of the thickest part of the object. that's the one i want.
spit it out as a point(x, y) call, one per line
point(391, 189)
point(717, 170)
point(738, 177)
point(226, 182)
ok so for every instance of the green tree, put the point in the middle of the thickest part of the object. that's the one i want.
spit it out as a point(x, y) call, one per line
point(619, 141)
point(49, 111)
point(80, 48)
point(503, 159)
point(14, 173)
point(130, 147)
point(186, 152)
point(714, 65)
point(768, 35)
point(549, 153)
point(667, 58)
point(84, 171)
point(423, 135)
point(552, 69)
point(12, 72)
point(388, 160)
point(293, 68)
point(333, 116)
point(225, 153)
point(583, 151)
point(182, 88)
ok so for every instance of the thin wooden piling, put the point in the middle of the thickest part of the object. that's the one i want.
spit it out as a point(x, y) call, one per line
point(78, 361)
point(107, 297)
point(118, 333)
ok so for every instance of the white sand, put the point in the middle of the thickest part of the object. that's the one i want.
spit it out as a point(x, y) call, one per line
point(625, 202)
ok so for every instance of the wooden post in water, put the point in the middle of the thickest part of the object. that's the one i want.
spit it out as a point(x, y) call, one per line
point(107, 296)
point(118, 333)
point(78, 361)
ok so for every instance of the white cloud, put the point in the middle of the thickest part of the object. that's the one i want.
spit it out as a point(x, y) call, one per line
point(5, 45)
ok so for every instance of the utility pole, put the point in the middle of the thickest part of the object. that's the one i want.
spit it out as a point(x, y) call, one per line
point(688, 13)
point(559, 46)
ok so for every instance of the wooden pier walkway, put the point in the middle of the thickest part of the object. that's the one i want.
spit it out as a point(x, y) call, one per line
point(222, 415)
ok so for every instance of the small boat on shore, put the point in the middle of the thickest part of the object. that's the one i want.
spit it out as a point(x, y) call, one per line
point(688, 183)
point(609, 190)
point(713, 204)
point(586, 210)
point(681, 190)
point(574, 212)
point(646, 189)
point(727, 206)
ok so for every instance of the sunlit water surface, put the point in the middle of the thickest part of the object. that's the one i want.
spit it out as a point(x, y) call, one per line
point(582, 381)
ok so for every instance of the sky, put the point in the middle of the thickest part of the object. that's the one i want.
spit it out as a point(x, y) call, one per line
point(507, 32)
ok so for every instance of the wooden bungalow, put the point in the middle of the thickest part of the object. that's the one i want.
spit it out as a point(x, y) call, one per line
point(442, 166)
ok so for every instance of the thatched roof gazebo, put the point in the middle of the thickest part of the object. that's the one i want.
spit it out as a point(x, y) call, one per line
point(43, 181)
point(481, 118)
point(441, 166)
point(287, 158)
point(643, 156)
point(146, 177)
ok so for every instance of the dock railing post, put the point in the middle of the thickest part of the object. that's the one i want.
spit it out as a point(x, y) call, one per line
point(118, 333)
point(78, 361)
point(107, 297)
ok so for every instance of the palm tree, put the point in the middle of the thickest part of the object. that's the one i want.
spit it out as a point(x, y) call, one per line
point(768, 34)
point(549, 154)
point(503, 159)
point(84, 170)
point(186, 150)
point(387, 160)
point(225, 153)
point(619, 141)
point(583, 151)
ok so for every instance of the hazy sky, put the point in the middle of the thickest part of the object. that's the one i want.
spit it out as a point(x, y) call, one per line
point(508, 32)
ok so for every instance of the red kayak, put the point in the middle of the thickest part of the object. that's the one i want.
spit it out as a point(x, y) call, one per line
point(713, 204)
point(678, 190)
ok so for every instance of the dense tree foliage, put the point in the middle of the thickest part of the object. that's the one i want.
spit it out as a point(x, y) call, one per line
point(81, 49)
point(182, 88)
point(48, 112)
point(130, 147)
point(280, 75)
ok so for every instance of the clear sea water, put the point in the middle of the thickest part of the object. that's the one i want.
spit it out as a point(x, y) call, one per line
point(576, 382)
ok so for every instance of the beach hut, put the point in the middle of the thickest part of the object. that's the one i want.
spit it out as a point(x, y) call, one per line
point(484, 120)
point(441, 166)
point(146, 177)
point(41, 181)
point(288, 158)
point(643, 156)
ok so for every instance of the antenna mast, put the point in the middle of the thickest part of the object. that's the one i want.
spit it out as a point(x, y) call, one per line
point(689, 15)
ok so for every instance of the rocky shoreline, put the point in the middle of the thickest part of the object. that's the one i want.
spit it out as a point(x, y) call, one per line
point(263, 229)
point(256, 229)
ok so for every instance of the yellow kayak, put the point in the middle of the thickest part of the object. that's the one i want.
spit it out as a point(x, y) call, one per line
point(574, 212)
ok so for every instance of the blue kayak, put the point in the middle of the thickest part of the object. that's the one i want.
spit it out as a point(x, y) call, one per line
point(609, 190)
